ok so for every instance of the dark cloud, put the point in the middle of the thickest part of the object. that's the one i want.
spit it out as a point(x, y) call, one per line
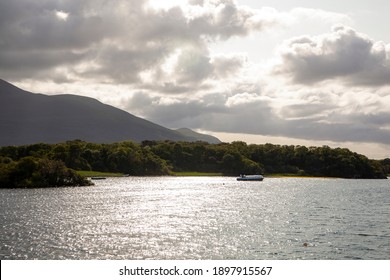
point(101, 41)
point(176, 112)
point(304, 110)
point(343, 54)
point(255, 114)
point(192, 71)
point(193, 66)
point(35, 40)
point(227, 65)
point(339, 131)
point(35, 25)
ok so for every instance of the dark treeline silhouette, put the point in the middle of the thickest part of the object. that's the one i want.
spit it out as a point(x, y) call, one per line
point(164, 157)
point(240, 158)
point(30, 172)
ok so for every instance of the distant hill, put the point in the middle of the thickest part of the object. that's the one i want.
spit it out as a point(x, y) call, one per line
point(27, 118)
point(198, 136)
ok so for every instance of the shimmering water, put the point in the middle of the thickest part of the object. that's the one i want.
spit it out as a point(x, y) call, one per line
point(199, 218)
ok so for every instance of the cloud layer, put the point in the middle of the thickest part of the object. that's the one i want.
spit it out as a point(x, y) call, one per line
point(343, 54)
point(158, 63)
point(117, 43)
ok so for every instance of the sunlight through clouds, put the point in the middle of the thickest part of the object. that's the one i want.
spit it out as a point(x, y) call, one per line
point(62, 15)
point(166, 5)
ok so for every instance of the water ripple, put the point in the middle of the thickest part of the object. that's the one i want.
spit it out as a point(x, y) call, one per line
point(199, 218)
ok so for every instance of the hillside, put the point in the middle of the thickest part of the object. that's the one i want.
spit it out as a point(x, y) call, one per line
point(27, 118)
point(199, 136)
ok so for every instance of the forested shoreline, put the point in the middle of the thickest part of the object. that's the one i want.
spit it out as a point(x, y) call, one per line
point(44, 165)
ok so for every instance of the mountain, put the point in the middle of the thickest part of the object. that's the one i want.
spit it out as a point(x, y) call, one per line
point(27, 118)
point(198, 136)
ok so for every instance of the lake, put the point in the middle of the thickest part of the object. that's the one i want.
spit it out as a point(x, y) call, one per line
point(199, 218)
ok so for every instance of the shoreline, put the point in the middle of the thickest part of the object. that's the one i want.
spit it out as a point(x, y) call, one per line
point(89, 174)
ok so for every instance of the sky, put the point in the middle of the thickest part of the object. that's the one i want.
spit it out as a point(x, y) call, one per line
point(284, 72)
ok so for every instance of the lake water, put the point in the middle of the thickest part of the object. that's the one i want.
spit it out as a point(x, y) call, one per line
point(199, 218)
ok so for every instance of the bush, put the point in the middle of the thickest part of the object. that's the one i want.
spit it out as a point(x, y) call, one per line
point(32, 172)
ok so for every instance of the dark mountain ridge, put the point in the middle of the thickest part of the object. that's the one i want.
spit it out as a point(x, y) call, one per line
point(27, 118)
point(199, 136)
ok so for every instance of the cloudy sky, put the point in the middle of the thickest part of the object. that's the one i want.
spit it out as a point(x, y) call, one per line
point(284, 72)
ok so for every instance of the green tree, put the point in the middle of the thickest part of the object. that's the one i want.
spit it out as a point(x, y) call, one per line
point(33, 172)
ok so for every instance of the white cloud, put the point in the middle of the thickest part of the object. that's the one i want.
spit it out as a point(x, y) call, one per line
point(244, 99)
point(62, 15)
point(121, 43)
point(303, 14)
point(344, 54)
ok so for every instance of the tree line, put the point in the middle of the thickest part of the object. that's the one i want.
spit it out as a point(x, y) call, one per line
point(240, 158)
point(53, 164)
point(35, 172)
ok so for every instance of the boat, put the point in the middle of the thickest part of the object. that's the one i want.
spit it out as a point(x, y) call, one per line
point(250, 178)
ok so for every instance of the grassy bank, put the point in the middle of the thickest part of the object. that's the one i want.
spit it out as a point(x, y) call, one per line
point(111, 174)
point(99, 174)
point(190, 173)
point(288, 175)
point(196, 174)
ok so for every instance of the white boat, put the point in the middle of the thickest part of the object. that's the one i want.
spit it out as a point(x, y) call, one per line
point(250, 178)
